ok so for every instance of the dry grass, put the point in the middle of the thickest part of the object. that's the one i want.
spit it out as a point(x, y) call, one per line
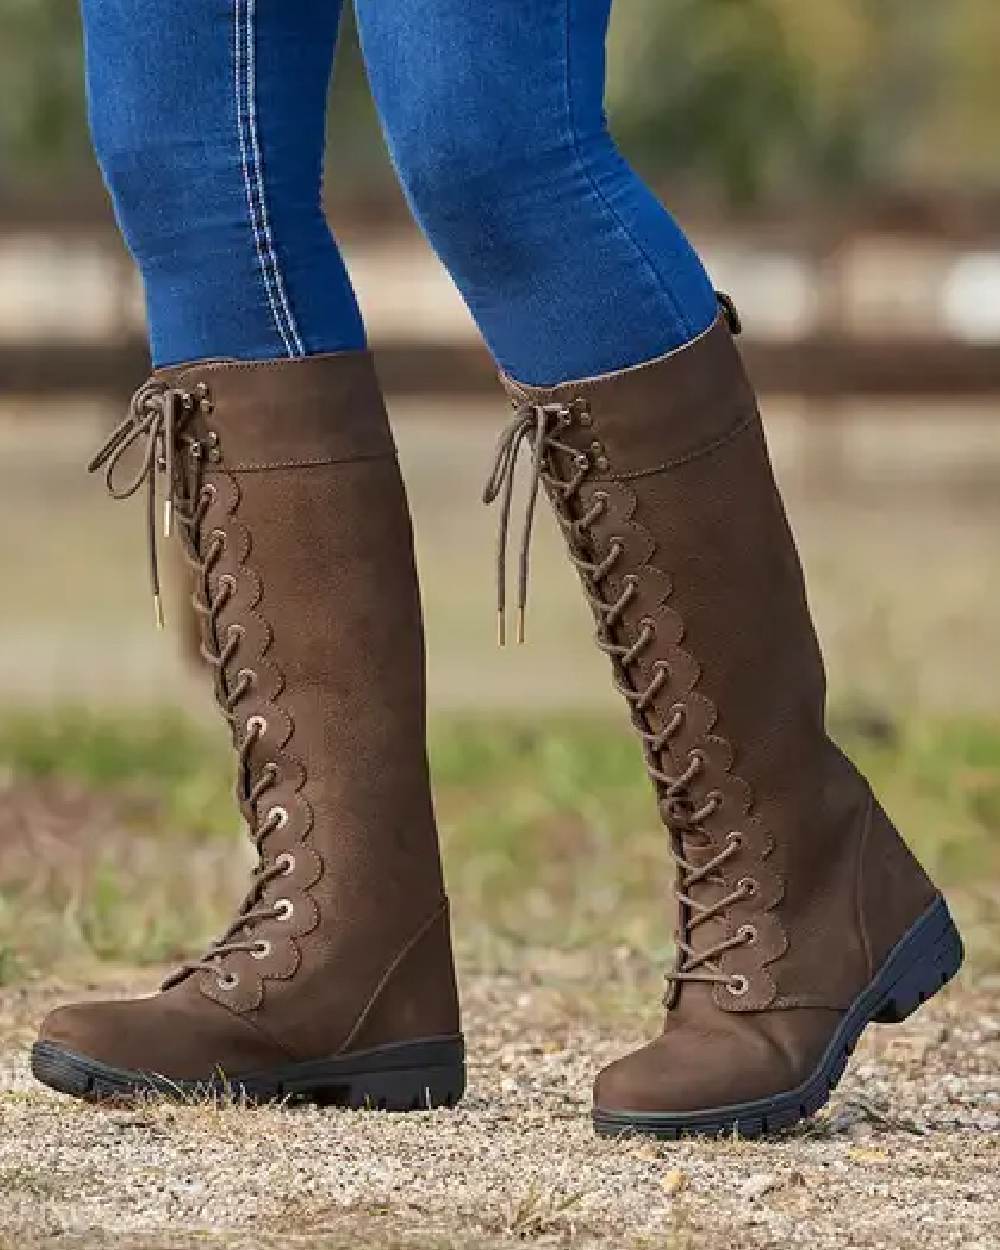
point(118, 835)
point(117, 846)
point(906, 1155)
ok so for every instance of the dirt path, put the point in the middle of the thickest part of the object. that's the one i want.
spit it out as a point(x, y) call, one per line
point(907, 1155)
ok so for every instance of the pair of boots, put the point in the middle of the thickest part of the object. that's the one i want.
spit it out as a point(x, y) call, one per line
point(802, 916)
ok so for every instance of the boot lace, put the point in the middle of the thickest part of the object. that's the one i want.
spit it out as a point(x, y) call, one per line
point(539, 427)
point(153, 423)
point(170, 464)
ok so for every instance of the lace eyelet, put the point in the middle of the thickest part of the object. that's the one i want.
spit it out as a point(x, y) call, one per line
point(227, 982)
point(256, 726)
point(227, 581)
point(735, 837)
point(677, 810)
point(218, 536)
point(248, 676)
point(235, 631)
point(261, 950)
point(286, 863)
point(280, 814)
point(748, 933)
point(747, 886)
point(738, 985)
point(209, 492)
point(284, 909)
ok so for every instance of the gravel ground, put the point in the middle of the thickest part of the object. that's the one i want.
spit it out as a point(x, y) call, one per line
point(907, 1155)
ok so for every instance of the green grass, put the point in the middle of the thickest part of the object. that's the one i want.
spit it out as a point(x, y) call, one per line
point(157, 756)
point(118, 837)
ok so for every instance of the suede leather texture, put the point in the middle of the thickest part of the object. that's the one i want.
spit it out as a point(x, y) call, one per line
point(308, 505)
point(676, 454)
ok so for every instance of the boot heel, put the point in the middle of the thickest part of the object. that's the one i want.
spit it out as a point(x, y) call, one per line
point(929, 956)
point(410, 1076)
point(410, 1090)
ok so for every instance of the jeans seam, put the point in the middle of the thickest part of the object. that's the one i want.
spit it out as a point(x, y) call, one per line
point(660, 286)
point(259, 168)
point(246, 123)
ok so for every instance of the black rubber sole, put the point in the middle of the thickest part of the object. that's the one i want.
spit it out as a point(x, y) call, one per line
point(924, 960)
point(409, 1076)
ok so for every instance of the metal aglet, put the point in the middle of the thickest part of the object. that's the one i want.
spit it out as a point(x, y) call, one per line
point(501, 628)
point(158, 611)
point(520, 627)
point(168, 517)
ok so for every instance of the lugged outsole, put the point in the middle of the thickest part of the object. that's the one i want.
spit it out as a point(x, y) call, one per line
point(925, 959)
point(408, 1076)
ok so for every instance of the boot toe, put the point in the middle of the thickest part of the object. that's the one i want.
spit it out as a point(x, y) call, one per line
point(181, 1036)
point(77, 1027)
point(130, 1035)
point(690, 1068)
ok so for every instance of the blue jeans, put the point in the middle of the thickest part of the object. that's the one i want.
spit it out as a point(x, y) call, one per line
point(208, 119)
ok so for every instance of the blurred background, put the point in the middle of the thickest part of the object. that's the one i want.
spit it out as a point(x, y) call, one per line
point(839, 167)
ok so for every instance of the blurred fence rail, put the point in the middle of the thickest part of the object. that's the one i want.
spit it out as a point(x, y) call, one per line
point(866, 310)
point(812, 368)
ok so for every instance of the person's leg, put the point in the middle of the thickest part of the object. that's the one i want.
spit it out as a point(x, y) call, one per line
point(335, 980)
point(653, 456)
point(660, 478)
point(208, 120)
point(495, 122)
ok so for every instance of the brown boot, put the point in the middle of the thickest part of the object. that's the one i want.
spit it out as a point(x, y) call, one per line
point(802, 915)
point(335, 982)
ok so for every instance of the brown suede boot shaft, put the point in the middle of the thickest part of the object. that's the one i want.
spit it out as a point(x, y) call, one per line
point(793, 885)
point(290, 504)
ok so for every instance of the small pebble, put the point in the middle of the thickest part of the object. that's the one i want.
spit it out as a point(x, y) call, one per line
point(674, 1181)
point(759, 1185)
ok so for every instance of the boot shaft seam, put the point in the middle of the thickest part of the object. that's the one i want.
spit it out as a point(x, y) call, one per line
point(319, 462)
